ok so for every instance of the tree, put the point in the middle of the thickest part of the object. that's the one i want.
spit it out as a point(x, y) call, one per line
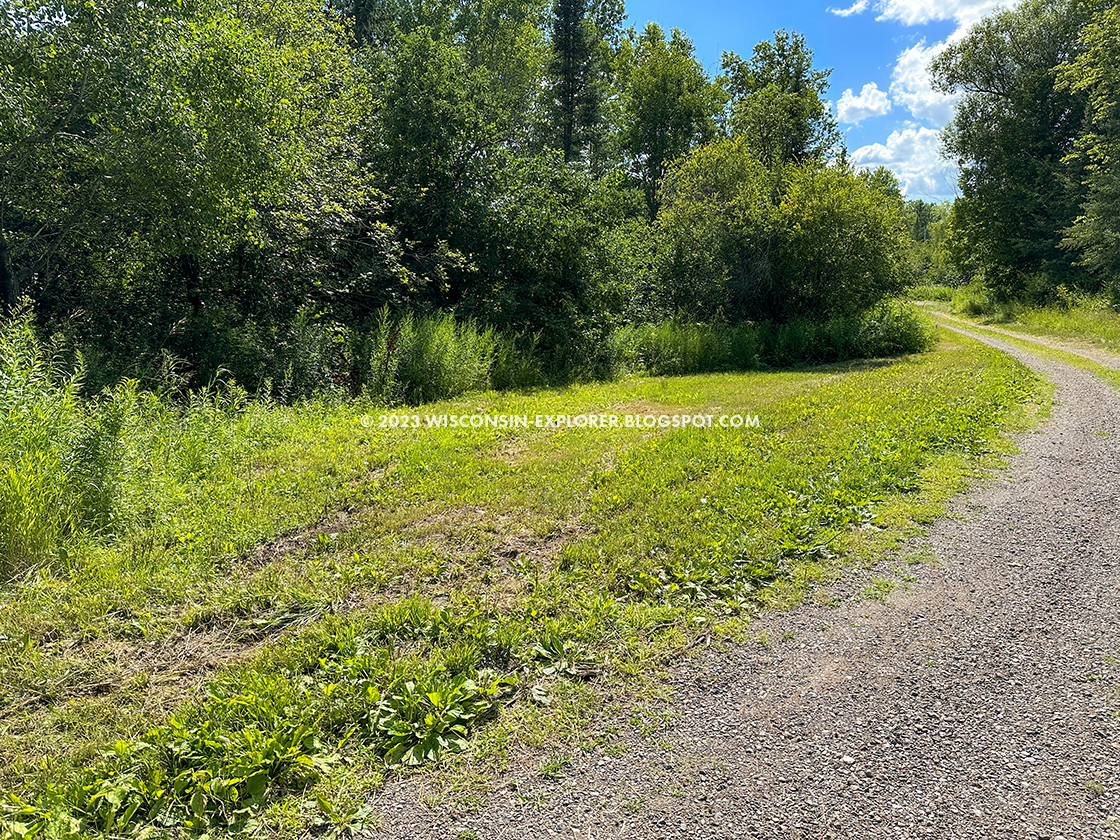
point(57, 96)
point(670, 105)
point(778, 102)
point(1012, 135)
point(841, 241)
point(167, 168)
point(739, 240)
point(1094, 234)
point(576, 90)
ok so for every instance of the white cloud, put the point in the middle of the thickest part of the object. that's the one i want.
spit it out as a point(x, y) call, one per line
point(912, 87)
point(871, 102)
point(964, 12)
point(854, 9)
point(913, 155)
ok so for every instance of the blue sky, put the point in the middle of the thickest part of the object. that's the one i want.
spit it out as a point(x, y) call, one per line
point(879, 51)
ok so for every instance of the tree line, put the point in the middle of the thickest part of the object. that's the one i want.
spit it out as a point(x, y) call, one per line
point(1036, 133)
point(237, 185)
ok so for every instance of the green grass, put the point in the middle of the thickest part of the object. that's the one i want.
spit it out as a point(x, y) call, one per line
point(1091, 322)
point(1074, 316)
point(298, 604)
point(1108, 375)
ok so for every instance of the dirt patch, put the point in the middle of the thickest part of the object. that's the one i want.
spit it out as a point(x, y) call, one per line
point(297, 542)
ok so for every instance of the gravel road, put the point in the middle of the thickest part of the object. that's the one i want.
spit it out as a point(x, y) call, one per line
point(978, 700)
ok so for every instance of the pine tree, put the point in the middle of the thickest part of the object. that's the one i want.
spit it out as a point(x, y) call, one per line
point(576, 92)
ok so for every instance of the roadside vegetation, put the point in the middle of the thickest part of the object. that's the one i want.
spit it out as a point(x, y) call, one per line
point(1031, 237)
point(305, 197)
point(1072, 315)
point(265, 609)
point(233, 598)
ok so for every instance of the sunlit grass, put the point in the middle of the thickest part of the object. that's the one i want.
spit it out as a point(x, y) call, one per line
point(328, 578)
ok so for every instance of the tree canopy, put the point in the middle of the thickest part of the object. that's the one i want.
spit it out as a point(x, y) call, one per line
point(1032, 79)
point(229, 184)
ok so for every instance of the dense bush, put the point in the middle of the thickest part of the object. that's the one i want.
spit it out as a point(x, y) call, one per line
point(740, 241)
point(418, 359)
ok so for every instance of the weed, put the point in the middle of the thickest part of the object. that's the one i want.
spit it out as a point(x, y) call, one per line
point(878, 589)
point(551, 767)
point(1095, 788)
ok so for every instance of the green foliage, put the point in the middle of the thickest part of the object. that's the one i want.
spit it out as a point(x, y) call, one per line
point(926, 291)
point(418, 359)
point(672, 348)
point(39, 414)
point(778, 102)
point(669, 103)
point(1069, 314)
point(243, 189)
point(744, 242)
point(1094, 234)
point(576, 85)
point(1012, 133)
point(550, 271)
point(932, 245)
point(840, 242)
point(71, 468)
point(421, 724)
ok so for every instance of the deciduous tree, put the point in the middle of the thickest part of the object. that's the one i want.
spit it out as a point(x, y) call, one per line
point(778, 102)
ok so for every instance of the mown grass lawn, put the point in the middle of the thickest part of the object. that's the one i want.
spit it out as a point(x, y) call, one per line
point(316, 602)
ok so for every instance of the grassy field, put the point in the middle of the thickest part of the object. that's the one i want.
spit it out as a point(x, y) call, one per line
point(1078, 316)
point(299, 601)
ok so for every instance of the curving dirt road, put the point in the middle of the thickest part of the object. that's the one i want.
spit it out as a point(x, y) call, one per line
point(979, 701)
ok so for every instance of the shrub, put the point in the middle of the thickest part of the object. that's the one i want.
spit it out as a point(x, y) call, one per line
point(738, 241)
point(930, 292)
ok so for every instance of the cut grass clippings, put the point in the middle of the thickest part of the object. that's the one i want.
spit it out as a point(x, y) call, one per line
point(353, 599)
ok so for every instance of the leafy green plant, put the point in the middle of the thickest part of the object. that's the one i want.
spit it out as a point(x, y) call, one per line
point(418, 723)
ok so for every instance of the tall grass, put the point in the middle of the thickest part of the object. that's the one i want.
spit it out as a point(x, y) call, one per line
point(44, 446)
point(1067, 314)
point(674, 348)
point(100, 466)
point(416, 359)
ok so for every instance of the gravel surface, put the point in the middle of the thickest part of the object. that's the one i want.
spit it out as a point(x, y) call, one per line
point(977, 700)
